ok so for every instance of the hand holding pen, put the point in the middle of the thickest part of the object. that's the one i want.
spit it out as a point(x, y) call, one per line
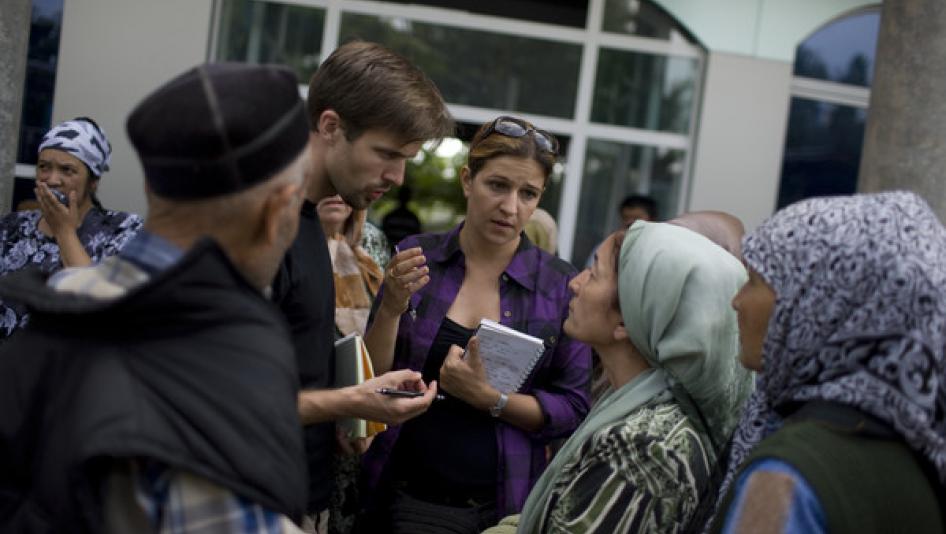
point(406, 273)
point(406, 396)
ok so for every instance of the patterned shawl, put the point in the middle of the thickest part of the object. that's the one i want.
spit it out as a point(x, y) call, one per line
point(859, 317)
point(357, 276)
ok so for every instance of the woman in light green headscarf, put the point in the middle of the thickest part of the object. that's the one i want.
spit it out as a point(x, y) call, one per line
point(656, 307)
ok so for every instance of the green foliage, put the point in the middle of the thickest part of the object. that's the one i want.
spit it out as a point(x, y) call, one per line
point(437, 195)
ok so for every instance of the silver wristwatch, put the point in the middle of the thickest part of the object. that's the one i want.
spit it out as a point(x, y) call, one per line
point(497, 410)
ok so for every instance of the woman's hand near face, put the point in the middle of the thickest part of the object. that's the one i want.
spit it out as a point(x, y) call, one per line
point(63, 225)
point(464, 377)
point(61, 219)
point(406, 274)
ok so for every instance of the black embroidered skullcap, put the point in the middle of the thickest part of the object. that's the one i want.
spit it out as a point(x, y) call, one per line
point(219, 128)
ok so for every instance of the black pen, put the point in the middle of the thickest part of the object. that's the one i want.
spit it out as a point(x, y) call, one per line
point(404, 393)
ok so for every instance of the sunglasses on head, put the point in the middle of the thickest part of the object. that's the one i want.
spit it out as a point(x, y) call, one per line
point(512, 127)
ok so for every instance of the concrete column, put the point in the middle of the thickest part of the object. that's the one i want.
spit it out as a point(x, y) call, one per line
point(905, 137)
point(14, 40)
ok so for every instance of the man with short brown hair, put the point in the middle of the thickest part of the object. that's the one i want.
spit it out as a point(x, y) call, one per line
point(369, 112)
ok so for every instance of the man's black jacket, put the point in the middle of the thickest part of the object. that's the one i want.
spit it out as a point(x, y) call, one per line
point(193, 369)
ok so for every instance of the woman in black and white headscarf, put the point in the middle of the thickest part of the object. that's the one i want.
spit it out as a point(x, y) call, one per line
point(70, 228)
point(844, 318)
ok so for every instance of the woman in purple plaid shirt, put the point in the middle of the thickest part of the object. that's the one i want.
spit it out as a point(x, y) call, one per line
point(474, 456)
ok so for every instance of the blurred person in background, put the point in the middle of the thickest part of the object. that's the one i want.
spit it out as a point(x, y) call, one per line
point(401, 221)
point(357, 275)
point(542, 230)
point(637, 208)
point(357, 278)
point(632, 209)
point(70, 228)
point(724, 229)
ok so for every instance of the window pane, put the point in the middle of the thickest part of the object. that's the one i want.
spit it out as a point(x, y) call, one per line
point(822, 150)
point(641, 18)
point(265, 32)
point(479, 68)
point(843, 51)
point(613, 171)
point(42, 57)
point(644, 90)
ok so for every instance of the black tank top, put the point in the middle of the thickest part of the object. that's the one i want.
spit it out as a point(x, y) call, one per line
point(450, 450)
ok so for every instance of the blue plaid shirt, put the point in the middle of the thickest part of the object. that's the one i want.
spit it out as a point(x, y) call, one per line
point(177, 502)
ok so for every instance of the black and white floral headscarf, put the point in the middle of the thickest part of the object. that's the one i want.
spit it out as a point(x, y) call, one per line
point(859, 317)
point(82, 139)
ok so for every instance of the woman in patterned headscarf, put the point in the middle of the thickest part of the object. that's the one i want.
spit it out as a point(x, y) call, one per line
point(843, 317)
point(70, 228)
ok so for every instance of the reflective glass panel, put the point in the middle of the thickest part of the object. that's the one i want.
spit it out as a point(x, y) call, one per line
point(267, 32)
point(641, 18)
point(613, 171)
point(42, 57)
point(842, 51)
point(644, 90)
point(480, 68)
point(822, 150)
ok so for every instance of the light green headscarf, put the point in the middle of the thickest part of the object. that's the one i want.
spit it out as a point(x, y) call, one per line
point(675, 288)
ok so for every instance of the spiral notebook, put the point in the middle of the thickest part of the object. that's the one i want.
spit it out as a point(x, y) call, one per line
point(508, 355)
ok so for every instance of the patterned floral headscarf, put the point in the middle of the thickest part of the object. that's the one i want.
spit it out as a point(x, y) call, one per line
point(859, 317)
point(83, 139)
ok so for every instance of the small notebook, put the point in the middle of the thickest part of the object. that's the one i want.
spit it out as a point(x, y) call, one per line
point(352, 367)
point(508, 355)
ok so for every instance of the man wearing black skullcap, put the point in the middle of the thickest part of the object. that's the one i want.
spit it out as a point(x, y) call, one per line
point(157, 390)
point(369, 112)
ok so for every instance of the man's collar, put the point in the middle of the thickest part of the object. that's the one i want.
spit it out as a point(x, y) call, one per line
point(151, 252)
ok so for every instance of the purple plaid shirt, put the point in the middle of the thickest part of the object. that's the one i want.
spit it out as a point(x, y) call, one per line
point(533, 296)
